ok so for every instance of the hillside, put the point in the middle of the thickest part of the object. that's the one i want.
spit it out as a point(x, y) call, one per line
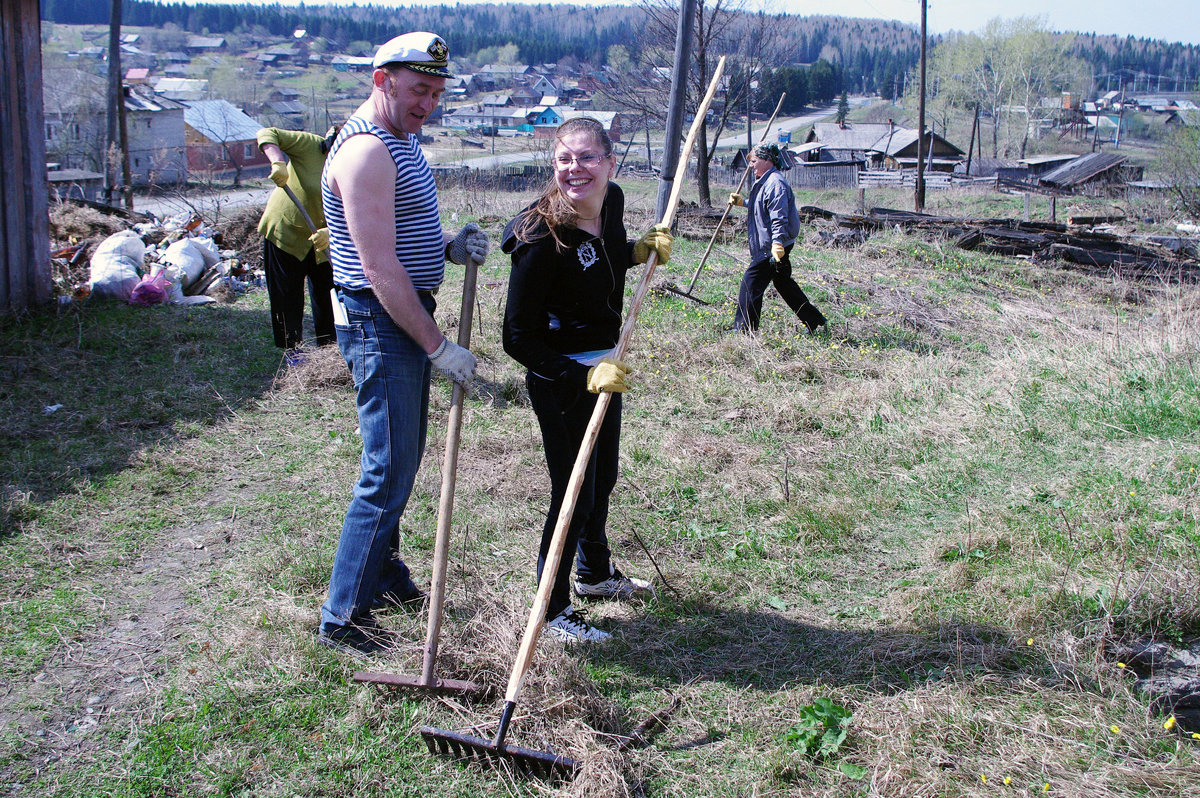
point(950, 528)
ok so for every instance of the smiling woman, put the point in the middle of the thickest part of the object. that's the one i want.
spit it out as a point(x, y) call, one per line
point(570, 254)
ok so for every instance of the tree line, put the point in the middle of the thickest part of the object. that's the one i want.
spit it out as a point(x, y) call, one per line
point(872, 55)
point(872, 51)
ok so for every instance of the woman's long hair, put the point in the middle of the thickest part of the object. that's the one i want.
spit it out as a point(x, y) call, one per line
point(552, 207)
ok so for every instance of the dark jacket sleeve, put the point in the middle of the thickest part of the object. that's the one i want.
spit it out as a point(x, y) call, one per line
point(526, 319)
point(775, 201)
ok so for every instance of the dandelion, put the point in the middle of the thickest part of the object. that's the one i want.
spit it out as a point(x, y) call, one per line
point(1029, 642)
point(1170, 723)
point(1121, 665)
point(1133, 493)
point(983, 777)
point(1115, 729)
point(1046, 787)
point(1196, 735)
point(1007, 780)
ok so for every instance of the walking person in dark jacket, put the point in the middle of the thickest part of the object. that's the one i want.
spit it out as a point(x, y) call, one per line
point(570, 254)
point(772, 225)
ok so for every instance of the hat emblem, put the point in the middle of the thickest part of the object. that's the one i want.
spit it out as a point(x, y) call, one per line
point(438, 50)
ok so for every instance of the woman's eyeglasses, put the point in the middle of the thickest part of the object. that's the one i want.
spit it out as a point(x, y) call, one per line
point(587, 161)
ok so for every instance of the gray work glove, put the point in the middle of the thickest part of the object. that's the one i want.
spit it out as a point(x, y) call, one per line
point(471, 242)
point(454, 361)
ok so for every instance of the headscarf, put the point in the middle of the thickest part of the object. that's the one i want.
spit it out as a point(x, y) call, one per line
point(769, 152)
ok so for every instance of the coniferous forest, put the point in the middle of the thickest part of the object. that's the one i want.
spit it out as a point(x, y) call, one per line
point(870, 55)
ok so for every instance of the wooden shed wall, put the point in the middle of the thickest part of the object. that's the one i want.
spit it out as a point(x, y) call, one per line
point(24, 219)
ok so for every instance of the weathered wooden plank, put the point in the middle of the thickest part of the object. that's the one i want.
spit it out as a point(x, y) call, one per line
point(24, 222)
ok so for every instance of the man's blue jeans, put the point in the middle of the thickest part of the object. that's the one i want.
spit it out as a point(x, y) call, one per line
point(391, 375)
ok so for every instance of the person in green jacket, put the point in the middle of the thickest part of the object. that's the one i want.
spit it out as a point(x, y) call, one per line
point(292, 253)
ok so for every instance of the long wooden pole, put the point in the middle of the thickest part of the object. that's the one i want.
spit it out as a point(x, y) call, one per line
point(537, 614)
point(441, 547)
point(728, 207)
point(919, 188)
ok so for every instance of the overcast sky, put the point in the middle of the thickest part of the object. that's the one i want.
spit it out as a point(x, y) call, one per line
point(1172, 20)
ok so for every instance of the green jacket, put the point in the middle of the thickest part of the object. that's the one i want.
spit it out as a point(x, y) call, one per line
point(281, 223)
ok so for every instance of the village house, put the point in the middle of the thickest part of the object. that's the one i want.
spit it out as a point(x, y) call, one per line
point(182, 89)
point(351, 63)
point(154, 129)
point(221, 140)
point(875, 145)
point(205, 45)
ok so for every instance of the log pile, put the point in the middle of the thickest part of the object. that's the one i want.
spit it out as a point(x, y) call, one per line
point(1076, 246)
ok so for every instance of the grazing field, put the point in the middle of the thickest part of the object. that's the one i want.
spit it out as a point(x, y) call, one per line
point(903, 558)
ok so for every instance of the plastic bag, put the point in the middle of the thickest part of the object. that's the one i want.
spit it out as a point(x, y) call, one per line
point(116, 265)
point(187, 260)
point(208, 249)
point(153, 289)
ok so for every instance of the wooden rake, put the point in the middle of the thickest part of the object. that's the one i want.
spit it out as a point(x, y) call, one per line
point(427, 682)
point(696, 275)
point(494, 752)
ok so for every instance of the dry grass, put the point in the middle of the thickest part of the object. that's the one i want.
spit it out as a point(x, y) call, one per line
point(982, 452)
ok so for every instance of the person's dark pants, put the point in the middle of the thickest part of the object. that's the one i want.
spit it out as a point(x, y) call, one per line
point(286, 276)
point(754, 285)
point(563, 412)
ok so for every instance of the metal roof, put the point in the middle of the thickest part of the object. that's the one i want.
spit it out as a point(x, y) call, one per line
point(853, 135)
point(218, 120)
point(1083, 168)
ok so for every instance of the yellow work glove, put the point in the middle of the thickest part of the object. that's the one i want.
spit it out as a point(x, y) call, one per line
point(736, 199)
point(608, 376)
point(777, 252)
point(659, 239)
point(320, 239)
point(279, 173)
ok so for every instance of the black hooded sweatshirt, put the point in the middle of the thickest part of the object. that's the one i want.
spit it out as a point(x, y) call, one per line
point(566, 301)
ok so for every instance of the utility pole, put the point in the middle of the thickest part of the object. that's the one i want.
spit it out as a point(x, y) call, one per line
point(115, 140)
point(919, 190)
point(683, 51)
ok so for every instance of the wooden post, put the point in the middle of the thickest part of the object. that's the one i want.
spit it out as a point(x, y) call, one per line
point(919, 191)
point(862, 202)
point(24, 219)
point(675, 109)
point(1027, 206)
point(1053, 208)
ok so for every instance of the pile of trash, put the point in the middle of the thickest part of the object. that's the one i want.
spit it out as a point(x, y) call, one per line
point(177, 261)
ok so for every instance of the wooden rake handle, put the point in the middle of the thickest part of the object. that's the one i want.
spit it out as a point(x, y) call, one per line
point(300, 207)
point(441, 546)
point(537, 615)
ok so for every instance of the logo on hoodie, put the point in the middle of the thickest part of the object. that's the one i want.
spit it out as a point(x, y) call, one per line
point(587, 254)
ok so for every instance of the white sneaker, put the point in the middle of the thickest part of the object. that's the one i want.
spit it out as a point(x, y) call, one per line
point(617, 586)
point(569, 626)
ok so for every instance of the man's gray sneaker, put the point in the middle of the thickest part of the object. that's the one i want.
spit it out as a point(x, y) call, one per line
point(570, 626)
point(617, 586)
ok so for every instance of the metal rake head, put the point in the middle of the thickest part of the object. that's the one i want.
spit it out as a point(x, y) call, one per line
point(529, 763)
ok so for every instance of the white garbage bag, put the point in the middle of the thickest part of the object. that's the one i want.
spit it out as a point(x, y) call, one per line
point(208, 248)
point(116, 265)
point(185, 261)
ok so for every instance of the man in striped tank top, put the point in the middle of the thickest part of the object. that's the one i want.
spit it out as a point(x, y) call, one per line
point(388, 251)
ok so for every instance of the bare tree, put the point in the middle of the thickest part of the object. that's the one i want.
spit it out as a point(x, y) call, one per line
point(1008, 68)
point(723, 28)
point(1178, 162)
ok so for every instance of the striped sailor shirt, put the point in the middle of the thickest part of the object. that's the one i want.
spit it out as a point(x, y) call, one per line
point(419, 244)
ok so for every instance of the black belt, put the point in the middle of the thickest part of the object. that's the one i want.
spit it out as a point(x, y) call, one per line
point(430, 292)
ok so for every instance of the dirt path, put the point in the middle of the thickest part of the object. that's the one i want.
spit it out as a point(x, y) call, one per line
point(113, 673)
